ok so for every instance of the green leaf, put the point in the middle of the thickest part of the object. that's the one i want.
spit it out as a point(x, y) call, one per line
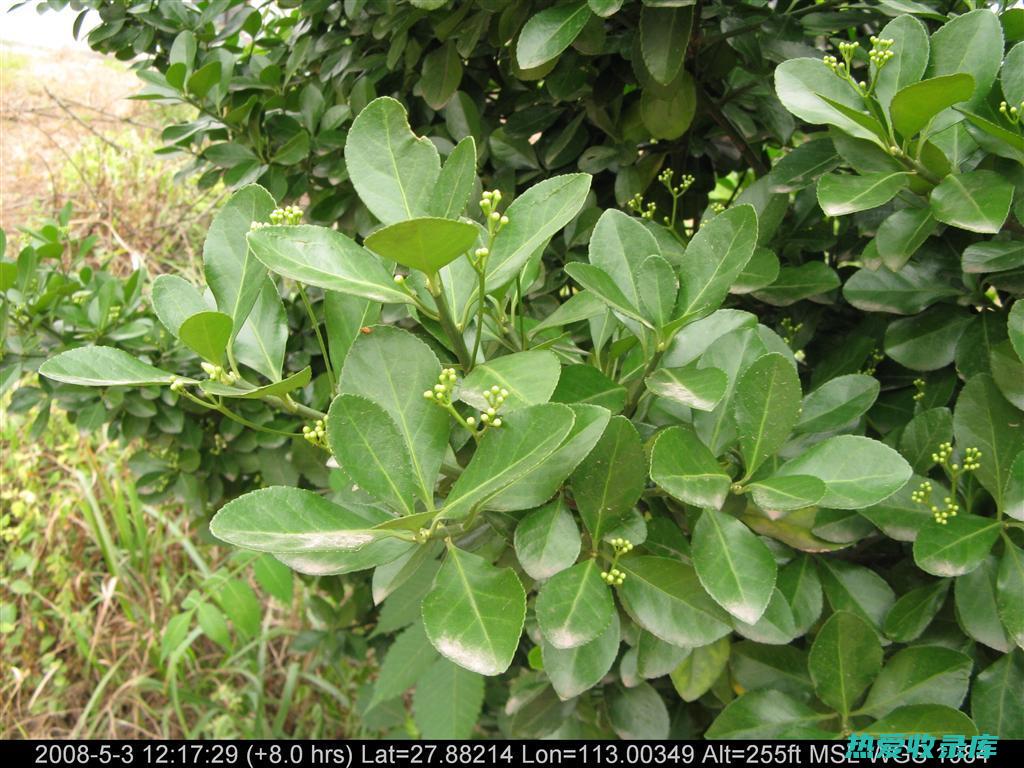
point(857, 471)
point(175, 300)
point(800, 85)
point(448, 701)
point(286, 520)
point(393, 368)
point(655, 657)
point(638, 713)
point(802, 165)
point(276, 389)
point(203, 79)
point(734, 565)
point(525, 440)
point(1010, 591)
point(275, 579)
point(927, 430)
point(327, 259)
point(971, 43)
point(425, 244)
point(925, 674)
point(345, 316)
point(782, 494)
point(664, 37)
point(901, 235)
point(550, 32)
point(668, 117)
point(913, 612)
point(799, 583)
point(984, 419)
point(599, 283)
point(1015, 327)
point(842, 194)
point(374, 554)
point(367, 445)
point(925, 342)
point(534, 217)
point(977, 611)
point(978, 201)
point(260, 344)
point(837, 403)
point(404, 664)
point(690, 385)
point(856, 589)
point(580, 306)
point(207, 334)
point(761, 271)
point(392, 169)
point(684, 467)
point(795, 283)
point(665, 597)
point(608, 482)
point(768, 714)
point(575, 670)
point(934, 719)
point(657, 286)
point(783, 668)
point(914, 106)
point(547, 540)
point(102, 367)
point(440, 75)
point(574, 606)
point(996, 704)
point(695, 674)
point(766, 407)
point(714, 259)
point(529, 377)
point(586, 385)
point(993, 256)
point(844, 660)
point(455, 182)
point(474, 614)
point(906, 292)
point(619, 246)
point(910, 51)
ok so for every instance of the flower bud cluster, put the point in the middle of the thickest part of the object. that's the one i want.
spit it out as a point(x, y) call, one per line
point(613, 578)
point(919, 385)
point(667, 176)
point(178, 386)
point(874, 359)
point(289, 215)
point(789, 330)
point(621, 546)
point(442, 391)
point(218, 374)
point(636, 204)
point(881, 51)
point(489, 205)
point(495, 398)
point(1013, 114)
point(317, 434)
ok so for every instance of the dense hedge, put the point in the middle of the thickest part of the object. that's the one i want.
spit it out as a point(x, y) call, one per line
point(709, 422)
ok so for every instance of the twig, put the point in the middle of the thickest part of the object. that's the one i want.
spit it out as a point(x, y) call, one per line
point(81, 122)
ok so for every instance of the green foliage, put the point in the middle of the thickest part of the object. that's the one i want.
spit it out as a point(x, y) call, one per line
point(722, 400)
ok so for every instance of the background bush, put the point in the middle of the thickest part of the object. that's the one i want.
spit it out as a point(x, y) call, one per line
point(863, 212)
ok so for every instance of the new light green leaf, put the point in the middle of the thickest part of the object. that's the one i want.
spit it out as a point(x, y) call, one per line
point(914, 106)
point(368, 446)
point(261, 342)
point(695, 674)
point(534, 217)
point(665, 597)
point(426, 244)
point(327, 259)
point(102, 367)
point(392, 169)
point(574, 606)
point(474, 614)
point(207, 334)
point(844, 660)
point(766, 407)
point(843, 194)
point(857, 471)
point(599, 283)
point(175, 300)
point(734, 565)
point(526, 438)
point(455, 182)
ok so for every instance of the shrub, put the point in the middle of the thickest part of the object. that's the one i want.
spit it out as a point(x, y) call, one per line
point(621, 463)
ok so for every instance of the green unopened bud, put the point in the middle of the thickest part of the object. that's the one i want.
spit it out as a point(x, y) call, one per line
point(399, 279)
point(496, 423)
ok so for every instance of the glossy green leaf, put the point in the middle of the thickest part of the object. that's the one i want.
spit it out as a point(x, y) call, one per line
point(690, 385)
point(474, 614)
point(901, 235)
point(547, 540)
point(914, 611)
point(996, 704)
point(925, 342)
point(610, 479)
point(529, 378)
point(993, 256)
point(683, 466)
point(976, 606)
point(837, 403)
point(102, 367)
point(844, 660)
point(367, 444)
point(934, 719)
point(175, 300)
point(327, 259)
point(795, 283)
point(550, 32)
point(664, 36)
point(1010, 591)
point(392, 169)
point(276, 389)
point(1015, 326)
point(586, 385)
point(733, 564)
point(840, 195)
point(656, 658)
point(575, 670)
point(666, 598)
point(910, 51)
point(426, 244)
point(448, 701)
point(799, 583)
point(767, 406)
point(983, 419)
point(914, 106)
point(261, 342)
point(638, 713)
point(768, 714)
point(857, 471)
point(782, 494)
point(906, 292)
point(695, 674)
point(599, 283)
point(971, 43)
point(978, 201)
point(405, 662)
point(508, 453)
point(856, 589)
point(455, 181)
point(574, 606)
point(800, 84)
point(924, 674)
point(440, 75)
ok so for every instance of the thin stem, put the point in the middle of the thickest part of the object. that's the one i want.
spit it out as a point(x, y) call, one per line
point(319, 338)
point(444, 316)
point(481, 306)
point(221, 408)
